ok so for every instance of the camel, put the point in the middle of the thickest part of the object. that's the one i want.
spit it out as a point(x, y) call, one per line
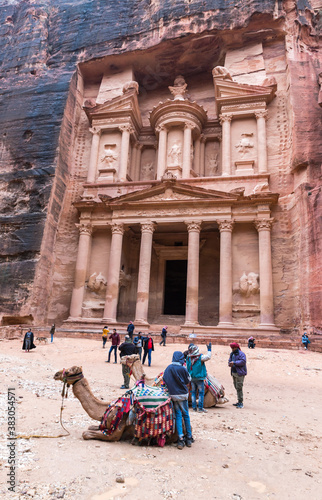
point(137, 370)
point(96, 408)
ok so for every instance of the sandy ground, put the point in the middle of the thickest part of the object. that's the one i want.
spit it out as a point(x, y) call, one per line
point(269, 449)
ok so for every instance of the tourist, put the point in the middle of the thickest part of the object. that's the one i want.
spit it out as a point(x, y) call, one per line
point(164, 335)
point(115, 338)
point(126, 349)
point(237, 363)
point(177, 378)
point(104, 335)
point(28, 341)
point(130, 329)
point(52, 332)
point(138, 344)
point(251, 343)
point(148, 347)
point(305, 340)
point(198, 372)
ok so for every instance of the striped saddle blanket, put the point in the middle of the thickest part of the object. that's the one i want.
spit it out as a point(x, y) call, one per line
point(149, 397)
point(214, 386)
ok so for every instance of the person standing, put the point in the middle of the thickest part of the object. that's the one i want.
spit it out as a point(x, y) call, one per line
point(198, 372)
point(305, 340)
point(148, 347)
point(164, 335)
point(104, 335)
point(238, 369)
point(138, 344)
point(126, 349)
point(28, 341)
point(52, 332)
point(130, 329)
point(115, 342)
point(177, 378)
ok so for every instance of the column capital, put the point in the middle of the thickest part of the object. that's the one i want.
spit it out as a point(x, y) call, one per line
point(147, 227)
point(193, 226)
point(263, 113)
point(226, 118)
point(189, 126)
point(95, 131)
point(126, 128)
point(263, 224)
point(225, 225)
point(117, 228)
point(85, 228)
point(203, 138)
point(138, 146)
point(161, 128)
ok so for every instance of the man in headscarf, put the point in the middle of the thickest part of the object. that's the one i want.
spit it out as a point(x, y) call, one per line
point(126, 349)
point(237, 363)
point(176, 378)
point(198, 372)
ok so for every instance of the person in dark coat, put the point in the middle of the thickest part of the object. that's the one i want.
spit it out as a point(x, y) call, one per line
point(52, 332)
point(126, 349)
point(130, 329)
point(251, 343)
point(164, 335)
point(237, 363)
point(148, 347)
point(115, 338)
point(28, 341)
point(177, 378)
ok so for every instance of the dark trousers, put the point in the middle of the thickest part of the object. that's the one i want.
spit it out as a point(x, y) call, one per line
point(104, 341)
point(147, 353)
point(163, 341)
point(112, 348)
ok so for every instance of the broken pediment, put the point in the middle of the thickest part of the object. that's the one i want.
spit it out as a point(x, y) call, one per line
point(125, 105)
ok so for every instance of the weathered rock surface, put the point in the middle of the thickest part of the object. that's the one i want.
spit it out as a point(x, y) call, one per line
point(42, 43)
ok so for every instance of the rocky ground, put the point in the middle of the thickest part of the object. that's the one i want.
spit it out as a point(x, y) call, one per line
point(270, 449)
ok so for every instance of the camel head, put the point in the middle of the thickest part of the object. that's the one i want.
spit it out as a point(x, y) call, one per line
point(69, 376)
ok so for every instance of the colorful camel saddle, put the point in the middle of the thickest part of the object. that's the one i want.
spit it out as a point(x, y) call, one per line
point(215, 387)
point(153, 413)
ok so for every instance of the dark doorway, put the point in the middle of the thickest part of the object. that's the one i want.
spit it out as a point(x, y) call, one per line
point(175, 287)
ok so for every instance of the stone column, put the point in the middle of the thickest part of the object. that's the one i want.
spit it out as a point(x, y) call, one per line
point(186, 154)
point(133, 162)
point(91, 174)
point(261, 117)
point(196, 163)
point(113, 274)
point(162, 151)
point(225, 120)
point(84, 249)
point(226, 271)
point(138, 161)
point(202, 155)
point(193, 274)
point(263, 227)
point(142, 298)
point(125, 145)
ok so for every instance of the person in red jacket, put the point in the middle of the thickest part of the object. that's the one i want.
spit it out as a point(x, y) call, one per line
point(148, 347)
point(115, 342)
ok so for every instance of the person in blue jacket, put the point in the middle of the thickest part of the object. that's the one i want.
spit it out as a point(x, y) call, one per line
point(305, 340)
point(176, 378)
point(238, 370)
point(198, 372)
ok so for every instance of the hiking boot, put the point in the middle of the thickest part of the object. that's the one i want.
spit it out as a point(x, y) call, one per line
point(189, 441)
point(202, 410)
point(235, 404)
point(194, 409)
point(240, 405)
point(181, 443)
point(123, 387)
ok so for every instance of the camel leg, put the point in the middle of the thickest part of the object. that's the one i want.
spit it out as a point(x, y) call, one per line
point(97, 434)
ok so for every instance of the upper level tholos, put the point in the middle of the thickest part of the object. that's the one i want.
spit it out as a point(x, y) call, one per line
point(179, 136)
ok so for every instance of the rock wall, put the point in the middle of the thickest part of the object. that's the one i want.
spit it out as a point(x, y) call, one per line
point(41, 45)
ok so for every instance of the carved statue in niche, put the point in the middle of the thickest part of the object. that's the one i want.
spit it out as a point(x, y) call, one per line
point(245, 144)
point(109, 156)
point(179, 88)
point(212, 161)
point(175, 155)
point(97, 283)
point(147, 171)
point(247, 286)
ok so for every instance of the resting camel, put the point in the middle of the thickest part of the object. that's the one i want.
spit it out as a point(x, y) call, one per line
point(95, 408)
point(138, 373)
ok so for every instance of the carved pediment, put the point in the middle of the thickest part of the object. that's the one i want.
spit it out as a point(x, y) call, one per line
point(230, 92)
point(120, 106)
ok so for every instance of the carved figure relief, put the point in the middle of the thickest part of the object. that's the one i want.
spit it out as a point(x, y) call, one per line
point(247, 286)
point(175, 155)
point(245, 145)
point(212, 161)
point(97, 283)
point(125, 279)
point(260, 188)
point(147, 171)
point(179, 88)
point(109, 156)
